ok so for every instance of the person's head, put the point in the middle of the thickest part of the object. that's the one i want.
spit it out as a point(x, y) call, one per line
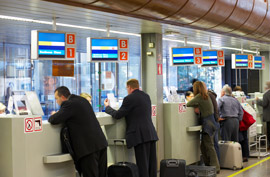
point(226, 90)
point(198, 88)
point(2, 108)
point(189, 95)
point(267, 85)
point(10, 84)
point(61, 94)
point(132, 84)
point(86, 96)
point(237, 88)
point(193, 81)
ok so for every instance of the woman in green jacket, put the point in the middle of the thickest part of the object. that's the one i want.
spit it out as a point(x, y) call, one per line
point(203, 105)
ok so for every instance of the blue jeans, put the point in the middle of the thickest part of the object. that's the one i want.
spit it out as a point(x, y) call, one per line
point(216, 140)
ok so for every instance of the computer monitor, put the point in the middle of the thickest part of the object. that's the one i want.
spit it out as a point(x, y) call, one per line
point(34, 103)
point(22, 106)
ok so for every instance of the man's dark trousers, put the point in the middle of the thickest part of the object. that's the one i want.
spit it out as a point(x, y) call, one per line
point(94, 164)
point(146, 159)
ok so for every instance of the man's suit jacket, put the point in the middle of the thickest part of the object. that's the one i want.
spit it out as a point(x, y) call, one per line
point(265, 103)
point(85, 132)
point(136, 108)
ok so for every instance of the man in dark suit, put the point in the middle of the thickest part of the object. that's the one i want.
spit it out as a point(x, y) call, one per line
point(87, 139)
point(140, 131)
point(265, 103)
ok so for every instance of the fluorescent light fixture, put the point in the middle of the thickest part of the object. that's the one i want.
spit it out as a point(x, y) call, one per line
point(65, 25)
point(112, 31)
point(203, 44)
point(24, 20)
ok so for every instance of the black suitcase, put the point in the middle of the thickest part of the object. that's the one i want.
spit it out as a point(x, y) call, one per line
point(172, 168)
point(123, 169)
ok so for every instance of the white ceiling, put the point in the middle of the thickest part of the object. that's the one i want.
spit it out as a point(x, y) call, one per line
point(19, 32)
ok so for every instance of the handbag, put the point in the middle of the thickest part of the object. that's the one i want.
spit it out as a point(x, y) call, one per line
point(246, 122)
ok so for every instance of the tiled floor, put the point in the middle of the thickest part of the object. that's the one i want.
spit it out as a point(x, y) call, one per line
point(260, 170)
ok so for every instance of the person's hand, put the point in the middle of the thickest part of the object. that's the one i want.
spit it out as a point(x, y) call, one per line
point(220, 119)
point(53, 112)
point(197, 110)
point(106, 102)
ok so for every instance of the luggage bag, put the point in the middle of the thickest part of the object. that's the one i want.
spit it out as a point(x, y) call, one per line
point(172, 168)
point(230, 155)
point(122, 169)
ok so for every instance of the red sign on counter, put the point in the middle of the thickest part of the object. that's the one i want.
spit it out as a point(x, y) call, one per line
point(154, 110)
point(28, 125)
point(182, 107)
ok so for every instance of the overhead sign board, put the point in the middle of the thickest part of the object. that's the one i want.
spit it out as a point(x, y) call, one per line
point(107, 50)
point(182, 56)
point(240, 61)
point(53, 45)
point(210, 58)
point(258, 62)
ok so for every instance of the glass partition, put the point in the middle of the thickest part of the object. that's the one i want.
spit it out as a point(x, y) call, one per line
point(19, 72)
point(182, 76)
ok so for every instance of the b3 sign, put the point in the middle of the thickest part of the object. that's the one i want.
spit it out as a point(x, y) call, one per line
point(198, 55)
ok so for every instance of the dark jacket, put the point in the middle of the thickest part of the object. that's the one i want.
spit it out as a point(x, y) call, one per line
point(213, 97)
point(265, 103)
point(85, 132)
point(136, 108)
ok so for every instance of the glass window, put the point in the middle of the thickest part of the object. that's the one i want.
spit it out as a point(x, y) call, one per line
point(18, 72)
point(182, 76)
point(2, 74)
point(16, 65)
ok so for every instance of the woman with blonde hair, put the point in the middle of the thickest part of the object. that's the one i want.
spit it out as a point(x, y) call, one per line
point(86, 96)
point(203, 105)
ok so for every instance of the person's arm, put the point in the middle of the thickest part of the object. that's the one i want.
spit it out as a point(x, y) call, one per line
point(240, 113)
point(264, 103)
point(123, 110)
point(220, 104)
point(62, 115)
point(194, 102)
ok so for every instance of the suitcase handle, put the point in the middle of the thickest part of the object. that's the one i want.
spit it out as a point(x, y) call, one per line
point(123, 143)
point(172, 163)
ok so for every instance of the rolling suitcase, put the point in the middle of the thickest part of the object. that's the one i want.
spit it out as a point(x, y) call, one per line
point(172, 168)
point(230, 155)
point(123, 169)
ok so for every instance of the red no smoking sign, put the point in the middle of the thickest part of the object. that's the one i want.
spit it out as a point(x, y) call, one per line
point(28, 125)
point(32, 125)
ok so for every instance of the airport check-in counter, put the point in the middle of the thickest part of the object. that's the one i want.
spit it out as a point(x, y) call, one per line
point(31, 154)
point(182, 132)
point(261, 126)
